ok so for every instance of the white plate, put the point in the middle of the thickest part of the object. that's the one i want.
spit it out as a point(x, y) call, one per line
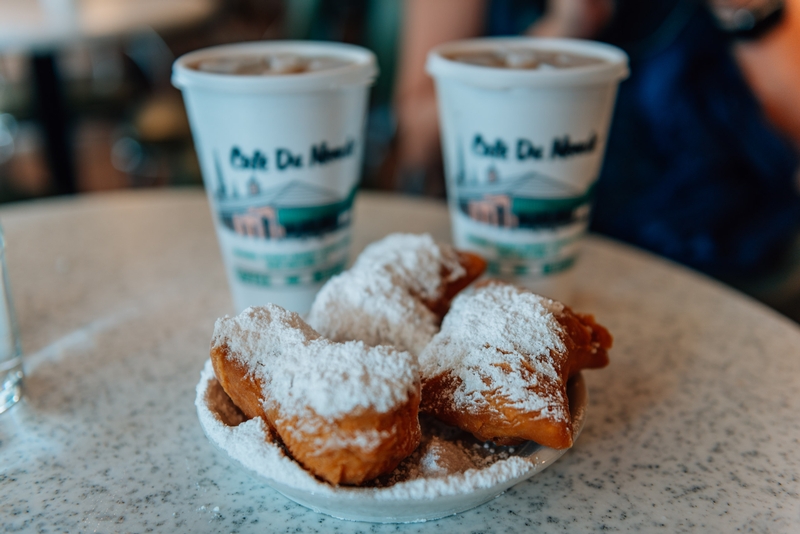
point(433, 483)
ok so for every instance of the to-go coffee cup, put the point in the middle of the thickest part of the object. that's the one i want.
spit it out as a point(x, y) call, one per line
point(524, 124)
point(279, 132)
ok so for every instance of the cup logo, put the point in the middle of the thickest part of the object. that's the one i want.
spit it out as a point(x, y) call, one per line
point(522, 197)
point(516, 200)
point(266, 208)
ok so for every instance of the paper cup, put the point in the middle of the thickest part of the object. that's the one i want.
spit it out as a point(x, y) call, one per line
point(281, 157)
point(522, 150)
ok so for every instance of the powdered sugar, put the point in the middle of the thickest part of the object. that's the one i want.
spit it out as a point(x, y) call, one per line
point(302, 370)
point(443, 466)
point(412, 261)
point(368, 307)
point(440, 458)
point(378, 301)
point(501, 338)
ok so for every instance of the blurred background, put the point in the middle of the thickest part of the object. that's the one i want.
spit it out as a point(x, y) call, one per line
point(702, 160)
point(91, 108)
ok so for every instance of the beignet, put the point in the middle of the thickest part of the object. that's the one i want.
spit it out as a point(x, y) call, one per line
point(396, 293)
point(500, 364)
point(347, 412)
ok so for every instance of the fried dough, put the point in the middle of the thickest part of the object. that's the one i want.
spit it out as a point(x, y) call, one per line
point(396, 293)
point(347, 412)
point(500, 364)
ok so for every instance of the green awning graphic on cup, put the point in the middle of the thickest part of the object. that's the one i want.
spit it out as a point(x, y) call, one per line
point(533, 200)
point(291, 210)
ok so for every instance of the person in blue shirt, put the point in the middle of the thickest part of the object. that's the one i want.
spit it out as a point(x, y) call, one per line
point(704, 151)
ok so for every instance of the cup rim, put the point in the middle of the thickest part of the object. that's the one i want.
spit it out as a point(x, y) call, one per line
point(360, 73)
point(613, 69)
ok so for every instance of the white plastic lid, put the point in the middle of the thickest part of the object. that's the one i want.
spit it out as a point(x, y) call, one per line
point(360, 70)
point(612, 68)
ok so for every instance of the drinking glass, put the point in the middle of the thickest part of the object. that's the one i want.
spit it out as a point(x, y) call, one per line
point(10, 351)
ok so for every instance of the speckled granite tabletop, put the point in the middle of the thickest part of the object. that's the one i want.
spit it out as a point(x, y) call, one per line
point(692, 428)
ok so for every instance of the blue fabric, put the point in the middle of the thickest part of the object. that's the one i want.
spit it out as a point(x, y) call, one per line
point(693, 169)
point(511, 17)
